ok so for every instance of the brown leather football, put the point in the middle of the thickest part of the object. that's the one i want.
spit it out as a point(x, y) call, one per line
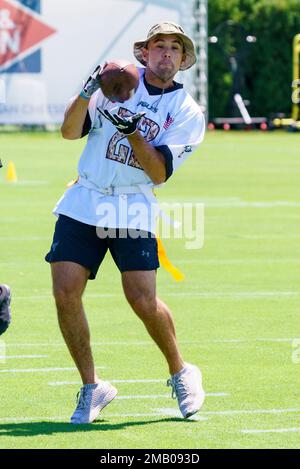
point(118, 80)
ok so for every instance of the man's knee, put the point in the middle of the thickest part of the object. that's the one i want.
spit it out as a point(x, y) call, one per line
point(68, 286)
point(65, 294)
point(144, 305)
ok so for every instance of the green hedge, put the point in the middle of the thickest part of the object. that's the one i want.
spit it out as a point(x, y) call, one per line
point(268, 65)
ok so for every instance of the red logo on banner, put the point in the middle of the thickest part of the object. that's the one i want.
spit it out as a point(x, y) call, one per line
point(21, 32)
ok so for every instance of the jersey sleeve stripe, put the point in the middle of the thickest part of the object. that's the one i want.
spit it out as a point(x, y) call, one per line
point(167, 154)
point(87, 125)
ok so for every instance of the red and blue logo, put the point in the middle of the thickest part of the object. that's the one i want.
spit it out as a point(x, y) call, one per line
point(22, 31)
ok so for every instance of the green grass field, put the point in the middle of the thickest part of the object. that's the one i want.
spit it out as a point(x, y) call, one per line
point(236, 313)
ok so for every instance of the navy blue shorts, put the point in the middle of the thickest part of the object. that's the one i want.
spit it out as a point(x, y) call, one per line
point(77, 242)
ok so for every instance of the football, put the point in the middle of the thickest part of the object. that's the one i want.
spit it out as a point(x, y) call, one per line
point(119, 80)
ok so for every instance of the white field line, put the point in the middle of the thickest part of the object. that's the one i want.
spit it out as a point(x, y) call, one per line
point(149, 343)
point(235, 412)
point(32, 183)
point(43, 370)
point(24, 262)
point(240, 237)
point(186, 293)
point(21, 219)
point(170, 412)
point(33, 419)
point(235, 295)
point(24, 238)
point(252, 411)
point(233, 202)
point(9, 357)
point(43, 419)
point(126, 381)
point(181, 260)
point(146, 396)
point(160, 412)
point(279, 203)
point(237, 261)
point(175, 414)
point(136, 381)
point(221, 203)
point(275, 430)
point(168, 396)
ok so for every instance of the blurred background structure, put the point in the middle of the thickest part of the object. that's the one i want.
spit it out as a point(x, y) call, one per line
point(266, 71)
point(244, 47)
point(48, 47)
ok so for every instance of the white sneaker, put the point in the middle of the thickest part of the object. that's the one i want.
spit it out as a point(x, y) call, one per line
point(187, 387)
point(91, 399)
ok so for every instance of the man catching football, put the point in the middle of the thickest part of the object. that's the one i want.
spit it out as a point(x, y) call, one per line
point(135, 142)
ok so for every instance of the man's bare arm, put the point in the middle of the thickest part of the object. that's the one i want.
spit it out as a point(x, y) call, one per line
point(75, 115)
point(151, 160)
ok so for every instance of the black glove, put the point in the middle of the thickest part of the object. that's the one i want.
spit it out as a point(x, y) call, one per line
point(92, 84)
point(125, 125)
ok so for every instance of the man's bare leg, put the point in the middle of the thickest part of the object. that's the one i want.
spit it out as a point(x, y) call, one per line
point(186, 379)
point(140, 291)
point(69, 282)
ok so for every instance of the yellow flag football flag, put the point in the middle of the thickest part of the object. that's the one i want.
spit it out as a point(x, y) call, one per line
point(166, 263)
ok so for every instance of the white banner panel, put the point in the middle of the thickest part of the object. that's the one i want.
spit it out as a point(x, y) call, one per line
point(48, 47)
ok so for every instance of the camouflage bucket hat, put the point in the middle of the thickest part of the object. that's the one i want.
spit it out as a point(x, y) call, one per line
point(167, 28)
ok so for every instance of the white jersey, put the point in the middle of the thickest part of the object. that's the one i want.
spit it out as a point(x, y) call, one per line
point(173, 124)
